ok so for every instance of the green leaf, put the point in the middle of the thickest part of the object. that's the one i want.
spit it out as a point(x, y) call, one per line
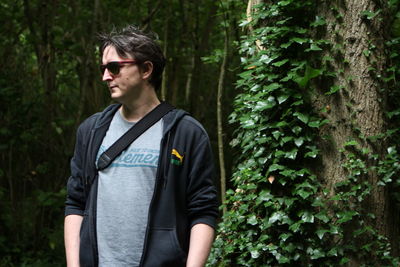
point(321, 232)
point(276, 216)
point(303, 117)
point(299, 141)
point(314, 124)
point(282, 98)
point(252, 220)
point(346, 216)
point(307, 217)
point(280, 63)
point(291, 154)
point(255, 253)
point(322, 216)
point(295, 227)
point(309, 74)
point(296, 129)
point(319, 21)
point(271, 87)
point(276, 134)
point(368, 14)
point(314, 47)
point(334, 89)
point(303, 193)
point(275, 167)
point(263, 105)
point(344, 261)
point(299, 40)
point(351, 143)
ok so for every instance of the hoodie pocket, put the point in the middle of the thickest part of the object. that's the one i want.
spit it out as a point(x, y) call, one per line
point(164, 249)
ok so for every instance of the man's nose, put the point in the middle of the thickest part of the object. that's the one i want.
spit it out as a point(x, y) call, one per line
point(107, 75)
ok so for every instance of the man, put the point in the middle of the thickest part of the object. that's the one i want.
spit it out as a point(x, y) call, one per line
point(155, 205)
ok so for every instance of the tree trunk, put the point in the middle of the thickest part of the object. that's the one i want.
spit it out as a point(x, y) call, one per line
point(219, 122)
point(356, 112)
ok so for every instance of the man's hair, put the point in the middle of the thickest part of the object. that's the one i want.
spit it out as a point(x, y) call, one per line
point(139, 45)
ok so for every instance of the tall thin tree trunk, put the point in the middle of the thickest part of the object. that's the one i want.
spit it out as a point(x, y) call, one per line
point(219, 122)
point(188, 87)
point(165, 52)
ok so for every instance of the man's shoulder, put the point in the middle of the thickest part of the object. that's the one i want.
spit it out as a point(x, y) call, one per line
point(189, 125)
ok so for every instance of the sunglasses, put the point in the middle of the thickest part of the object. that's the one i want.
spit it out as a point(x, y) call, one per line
point(115, 66)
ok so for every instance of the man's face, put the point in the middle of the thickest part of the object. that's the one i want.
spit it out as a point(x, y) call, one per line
point(128, 84)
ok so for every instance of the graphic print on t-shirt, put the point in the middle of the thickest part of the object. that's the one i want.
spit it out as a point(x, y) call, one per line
point(134, 157)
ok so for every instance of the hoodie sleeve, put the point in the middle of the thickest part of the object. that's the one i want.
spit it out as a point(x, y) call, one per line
point(201, 192)
point(75, 203)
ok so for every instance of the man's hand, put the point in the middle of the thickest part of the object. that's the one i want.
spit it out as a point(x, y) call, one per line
point(201, 239)
point(72, 227)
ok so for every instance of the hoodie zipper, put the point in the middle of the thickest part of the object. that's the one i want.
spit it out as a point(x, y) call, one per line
point(158, 177)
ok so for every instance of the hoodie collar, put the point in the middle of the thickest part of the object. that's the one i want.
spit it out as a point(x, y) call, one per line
point(170, 119)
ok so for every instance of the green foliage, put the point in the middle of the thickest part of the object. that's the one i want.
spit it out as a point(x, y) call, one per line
point(278, 213)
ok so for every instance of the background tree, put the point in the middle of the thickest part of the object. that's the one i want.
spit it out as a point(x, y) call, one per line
point(50, 82)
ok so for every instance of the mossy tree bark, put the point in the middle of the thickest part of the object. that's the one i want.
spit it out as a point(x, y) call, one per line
point(357, 110)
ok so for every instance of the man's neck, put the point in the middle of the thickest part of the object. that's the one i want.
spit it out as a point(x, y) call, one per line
point(133, 112)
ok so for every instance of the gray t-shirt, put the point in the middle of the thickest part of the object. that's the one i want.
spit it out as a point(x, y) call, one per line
point(124, 194)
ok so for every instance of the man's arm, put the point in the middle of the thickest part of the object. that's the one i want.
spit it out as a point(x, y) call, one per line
point(201, 239)
point(72, 226)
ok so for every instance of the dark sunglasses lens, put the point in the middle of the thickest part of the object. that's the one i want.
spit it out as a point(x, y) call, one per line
point(113, 68)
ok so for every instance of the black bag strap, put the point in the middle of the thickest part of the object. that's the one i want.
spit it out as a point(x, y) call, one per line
point(132, 134)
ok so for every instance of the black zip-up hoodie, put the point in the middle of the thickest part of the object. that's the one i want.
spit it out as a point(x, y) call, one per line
point(184, 194)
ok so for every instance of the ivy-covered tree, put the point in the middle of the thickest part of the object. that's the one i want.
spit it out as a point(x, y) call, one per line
point(317, 121)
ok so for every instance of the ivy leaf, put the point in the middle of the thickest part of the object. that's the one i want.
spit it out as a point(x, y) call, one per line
point(299, 40)
point(280, 63)
point(309, 74)
point(303, 117)
point(370, 14)
point(263, 105)
point(334, 89)
point(295, 227)
point(346, 216)
point(255, 253)
point(333, 252)
point(351, 143)
point(276, 134)
point(291, 154)
point(316, 254)
point(321, 232)
point(307, 217)
point(303, 193)
point(391, 150)
point(282, 98)
point(271, 87)
point(296, 129)
point(252, 220)
point(299, 141)
point(322, 216)
point(276, 216)
point(319, 21)
point(275, 167)
point(314, 124)
point(313, 47)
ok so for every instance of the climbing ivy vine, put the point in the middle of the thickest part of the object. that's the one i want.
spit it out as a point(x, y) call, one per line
point(278, 212)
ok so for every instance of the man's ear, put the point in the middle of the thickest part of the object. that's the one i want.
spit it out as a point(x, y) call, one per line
point(147, 69)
